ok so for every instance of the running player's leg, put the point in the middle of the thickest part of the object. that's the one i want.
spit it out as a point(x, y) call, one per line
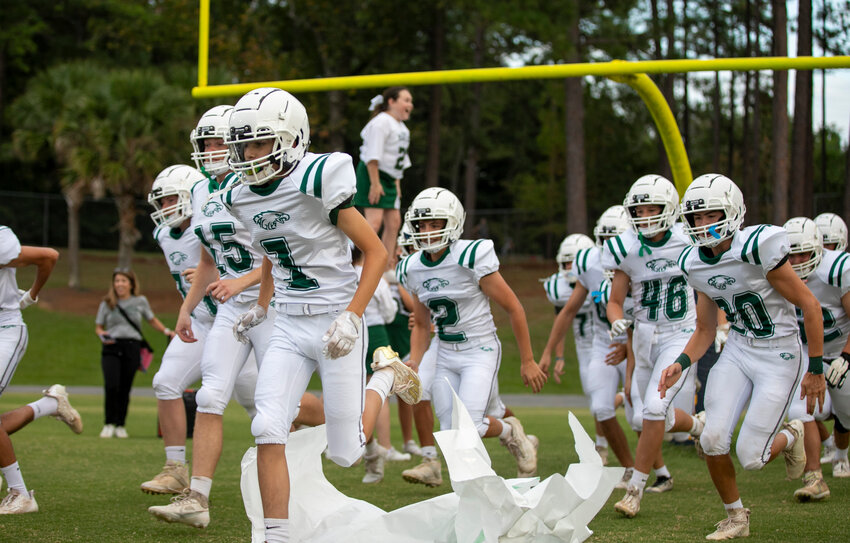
point(602, 389)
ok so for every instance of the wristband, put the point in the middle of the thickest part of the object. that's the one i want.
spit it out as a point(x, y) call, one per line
point(684, 361)
point(816, 365)
point(559, 358)
point(166, 331)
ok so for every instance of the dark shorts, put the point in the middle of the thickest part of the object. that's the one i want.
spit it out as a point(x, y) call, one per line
point(387, 201)
point(399, 335)
point(377, 338)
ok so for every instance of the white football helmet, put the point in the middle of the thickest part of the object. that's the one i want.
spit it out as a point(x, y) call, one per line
point(805, 238)
point(435, 203)
point(712, 192)
point(571, 245)
point(268, 114)
point(405, 239)
point(176, 180)
point(834, 230)
point(213, 124)
point(613, 222)
point(652, 190)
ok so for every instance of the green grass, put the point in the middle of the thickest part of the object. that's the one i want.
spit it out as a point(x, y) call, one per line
point(87, 488)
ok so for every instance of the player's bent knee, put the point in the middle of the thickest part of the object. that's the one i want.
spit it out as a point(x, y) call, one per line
point(713, 443)
point(603, 413)
point(211, 401)
point(165, 390)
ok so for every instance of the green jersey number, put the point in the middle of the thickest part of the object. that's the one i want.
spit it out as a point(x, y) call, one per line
point(749, 308)
point(278, 248)
point(675, 298)
point(582, 320)
point(236, 257)
point(829, 331)
point(445, 314)
point(402, 152)
point(182, 289)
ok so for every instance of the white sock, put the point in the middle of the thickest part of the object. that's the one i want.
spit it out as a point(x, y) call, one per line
point(639, 479)
point(828, 442)
point(506, 430)
point(381, 382)
point(694, 424)
point(201, 485)
point(840, 454)
point(176, 453)
point(735, 505)
point(14, 479)
point(663, 472)
point(372, 447)
point(277, 530)
point(430, 451)
point(790, 437)
point(601, 441)
point(43, 407)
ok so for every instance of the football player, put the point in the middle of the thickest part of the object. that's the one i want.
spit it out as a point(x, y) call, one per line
point(607, 366)
point(228, 271)
point(823, 273)
point(834, 231)
point(559, 286)
point(453, 281)
point(297, 207)
point(171, 198)
point(644, 262)
point(746, 273)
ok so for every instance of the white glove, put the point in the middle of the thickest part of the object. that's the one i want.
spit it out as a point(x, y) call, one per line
point(248, 320)
point(342, 335)
point(619, 327)
point(26, 299)
point(837, 372)
point(720, 337)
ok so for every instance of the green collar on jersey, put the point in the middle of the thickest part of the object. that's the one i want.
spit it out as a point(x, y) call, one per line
point(708, 257)
point(428, 262)
point(267, 188)
point(175, 233)
point(660, 243)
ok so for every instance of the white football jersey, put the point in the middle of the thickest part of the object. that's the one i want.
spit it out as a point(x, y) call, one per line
point(736, 280)
point(10, 300)
point(588, 268)
point(182, 250)
point(658, 286)
point(224, 237)
point(829, 282)
point(449, 287)
point(293, 222)
point(386, 140)
point(558, 290)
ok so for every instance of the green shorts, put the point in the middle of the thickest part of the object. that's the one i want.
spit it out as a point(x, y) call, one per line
point(377, 338)
point(387, 201)
point(399, 335)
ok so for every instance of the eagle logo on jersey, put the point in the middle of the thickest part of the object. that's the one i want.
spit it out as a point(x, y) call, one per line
point(720, 282)
point(268, 220)
point(435, 284)
point(178, 257)
point(211, 208)
point(786, 356)
point(660, 265)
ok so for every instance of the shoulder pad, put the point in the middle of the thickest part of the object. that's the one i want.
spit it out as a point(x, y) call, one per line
point(764, 245)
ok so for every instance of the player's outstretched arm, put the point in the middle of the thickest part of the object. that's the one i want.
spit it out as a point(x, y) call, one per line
point(562, 323)
point(699, 343)
point(225, 289)
point(352, 223)
point(205, 273)
point(786, 282)
point(498, 290)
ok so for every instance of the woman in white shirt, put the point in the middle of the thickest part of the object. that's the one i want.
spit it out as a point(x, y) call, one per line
point(383, 159)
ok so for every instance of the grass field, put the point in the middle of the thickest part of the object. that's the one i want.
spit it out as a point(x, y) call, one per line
point(88, 488)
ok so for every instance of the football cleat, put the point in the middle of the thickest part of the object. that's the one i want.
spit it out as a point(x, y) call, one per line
point(64, 411)
point(428, 473)
point(624, 482)
point(814, 488)
point(602, 451)
point(795, 455)
point(736, 524)
point(412, 448)
point(522, 448)
point(394, 456)
point(374, 464)
point(189, 507)
point(828, 453)
point(18, 503)
point(173, 479)
point(406, 382)
point(661, 484)
point(630, 504)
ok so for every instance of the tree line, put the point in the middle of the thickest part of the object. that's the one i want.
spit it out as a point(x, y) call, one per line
point(95, 98)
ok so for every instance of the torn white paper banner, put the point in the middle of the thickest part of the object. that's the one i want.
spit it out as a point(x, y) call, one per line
point(483, 507)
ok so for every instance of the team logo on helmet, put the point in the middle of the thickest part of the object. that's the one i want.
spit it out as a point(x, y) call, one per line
point(435, 284)
point(178, 257)
point(660, 265)
point(211, 208)
point(269, 220)
point(720, 282)
point(786, 356)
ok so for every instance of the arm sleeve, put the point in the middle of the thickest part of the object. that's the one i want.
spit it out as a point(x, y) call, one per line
point(10, 247)
point(145, 308)
point(768, 248)
point(102, 312)
point(337, 181)
point(480, 257)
